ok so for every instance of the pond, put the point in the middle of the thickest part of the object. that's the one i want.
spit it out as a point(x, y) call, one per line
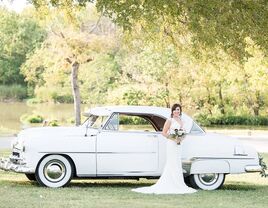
point(11, 113)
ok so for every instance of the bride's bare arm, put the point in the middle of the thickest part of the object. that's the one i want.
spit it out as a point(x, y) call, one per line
point(166, 128)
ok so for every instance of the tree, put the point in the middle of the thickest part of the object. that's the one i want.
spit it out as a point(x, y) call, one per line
point(19, 36)
point(211, 22)
point(253, 79)
point(66, 49)
point(209, 46)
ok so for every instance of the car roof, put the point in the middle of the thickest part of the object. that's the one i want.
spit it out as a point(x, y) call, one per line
point(108, 110)
point(151, 110)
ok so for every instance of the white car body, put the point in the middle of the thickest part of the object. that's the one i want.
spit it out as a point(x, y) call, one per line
point(49, 154)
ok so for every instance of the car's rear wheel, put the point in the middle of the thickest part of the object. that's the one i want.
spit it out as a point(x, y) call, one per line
point(187, 180)
point(30, 176)
point(207, 181)
point(54, 171)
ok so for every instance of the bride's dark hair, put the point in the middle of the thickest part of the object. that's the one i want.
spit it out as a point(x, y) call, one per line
point(176, 105)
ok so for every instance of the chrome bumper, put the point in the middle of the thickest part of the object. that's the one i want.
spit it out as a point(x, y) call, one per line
point(253, 168)
point(7, 165)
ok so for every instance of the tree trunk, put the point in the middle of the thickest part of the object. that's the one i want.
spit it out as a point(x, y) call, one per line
point(258, 104)
point(221, 104)
point(167, 98)
point(76, 93)
point(256, 111)
point(209, 101)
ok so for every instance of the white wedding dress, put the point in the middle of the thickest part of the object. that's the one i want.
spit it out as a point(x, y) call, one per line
point(171, 180)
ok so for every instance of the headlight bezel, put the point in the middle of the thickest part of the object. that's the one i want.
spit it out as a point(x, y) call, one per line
point(20, 146)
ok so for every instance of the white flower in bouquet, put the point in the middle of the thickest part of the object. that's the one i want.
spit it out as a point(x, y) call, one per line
point(177, 136)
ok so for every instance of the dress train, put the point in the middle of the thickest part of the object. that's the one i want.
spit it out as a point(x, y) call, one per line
point(171, 180)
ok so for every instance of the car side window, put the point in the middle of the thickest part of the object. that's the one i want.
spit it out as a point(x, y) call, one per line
point(134, 123)
point(125, 122)
point(113, 123)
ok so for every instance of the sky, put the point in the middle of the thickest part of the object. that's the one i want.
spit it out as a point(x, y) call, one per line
point(16, 5)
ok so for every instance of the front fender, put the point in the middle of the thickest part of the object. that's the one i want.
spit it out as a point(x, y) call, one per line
point(209, 166)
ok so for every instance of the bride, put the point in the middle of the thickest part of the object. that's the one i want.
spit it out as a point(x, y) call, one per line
point(171, 180)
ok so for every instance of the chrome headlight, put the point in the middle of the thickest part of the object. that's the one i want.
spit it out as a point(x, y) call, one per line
point(19, 146)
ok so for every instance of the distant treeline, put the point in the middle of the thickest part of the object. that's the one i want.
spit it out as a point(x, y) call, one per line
point(206, 120)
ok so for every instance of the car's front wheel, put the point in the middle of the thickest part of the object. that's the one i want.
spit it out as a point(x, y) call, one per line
point(30, 176)
point(54, 171)
point(207, 181)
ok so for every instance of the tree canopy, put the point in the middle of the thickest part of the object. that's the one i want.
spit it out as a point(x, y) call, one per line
point(19, 36)
point(213, 23)
point(199, 53)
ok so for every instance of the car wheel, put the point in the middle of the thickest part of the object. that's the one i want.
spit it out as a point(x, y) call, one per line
point(187, 180)
point(30, 176)
point(54, 171)
point(207, 181)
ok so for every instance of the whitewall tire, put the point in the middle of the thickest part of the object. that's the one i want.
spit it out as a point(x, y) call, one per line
point(208, 181)
point(54, 171)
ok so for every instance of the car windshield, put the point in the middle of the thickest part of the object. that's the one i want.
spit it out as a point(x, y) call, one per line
point(95, 121)
point(196, 129)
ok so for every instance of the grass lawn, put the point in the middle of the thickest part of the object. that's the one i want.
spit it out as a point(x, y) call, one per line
point(245, 191)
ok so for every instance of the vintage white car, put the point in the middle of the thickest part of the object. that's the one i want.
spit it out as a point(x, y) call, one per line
point(112, 143)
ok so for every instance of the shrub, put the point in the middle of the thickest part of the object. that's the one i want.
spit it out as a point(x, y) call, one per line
point(207, 120)
point(71, 120)
point(62, 98)
point(31, 118)
point(53, 123)
point(33, 101)
point(133, 121)
point(35, 119)
point(16, 92)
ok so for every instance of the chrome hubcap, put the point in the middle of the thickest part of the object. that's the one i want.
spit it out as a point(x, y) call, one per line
point(54, 171)
point(208, 179)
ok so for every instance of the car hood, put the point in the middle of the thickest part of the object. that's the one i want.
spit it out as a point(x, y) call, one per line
point(48, 132)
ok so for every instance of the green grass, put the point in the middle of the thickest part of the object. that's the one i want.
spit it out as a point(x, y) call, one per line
point(245, 191)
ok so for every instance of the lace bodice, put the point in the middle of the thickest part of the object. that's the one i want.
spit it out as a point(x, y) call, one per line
point(174, 125)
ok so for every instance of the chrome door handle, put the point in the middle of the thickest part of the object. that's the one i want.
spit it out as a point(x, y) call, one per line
point(152, 136)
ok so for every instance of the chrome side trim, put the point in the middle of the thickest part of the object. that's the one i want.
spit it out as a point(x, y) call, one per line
point(253, 168)
point(98, 152)
point(233, 158)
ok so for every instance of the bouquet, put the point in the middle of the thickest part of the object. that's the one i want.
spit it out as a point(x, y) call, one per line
point(177, 136)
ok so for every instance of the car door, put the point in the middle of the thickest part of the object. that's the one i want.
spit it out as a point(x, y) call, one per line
point(127, 149)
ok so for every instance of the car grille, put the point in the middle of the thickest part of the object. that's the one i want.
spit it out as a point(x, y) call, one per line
point(16, 154)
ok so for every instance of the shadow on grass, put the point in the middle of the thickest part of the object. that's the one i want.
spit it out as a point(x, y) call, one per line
point(241, 187)
point(19, 183)
point(82, 184)
point(235, 186)
point(109, 183)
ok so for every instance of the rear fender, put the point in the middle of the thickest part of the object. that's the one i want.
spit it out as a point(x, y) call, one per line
point(209, 166)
